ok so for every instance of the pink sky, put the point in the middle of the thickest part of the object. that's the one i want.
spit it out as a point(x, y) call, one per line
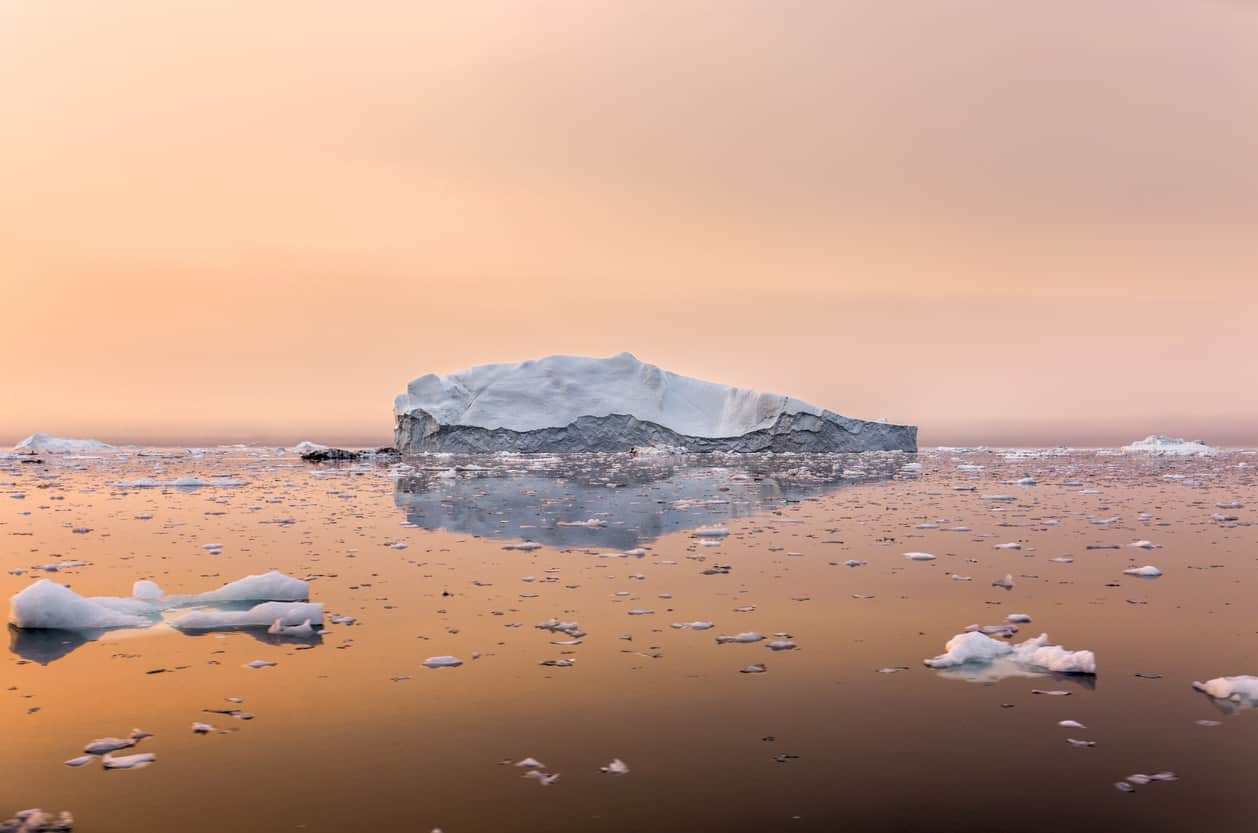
point(1004, 222)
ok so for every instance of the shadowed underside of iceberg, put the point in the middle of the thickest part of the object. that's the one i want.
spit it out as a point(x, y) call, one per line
point(576, 404)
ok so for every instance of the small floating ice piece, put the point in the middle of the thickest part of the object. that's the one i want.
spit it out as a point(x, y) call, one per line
point(102, 745)
point(36, 820)
point(694, 626)
point(1056, 692)
point(1006, 582)
point(202, 728)
point(974, 647)
point(1080, 743)
point(740, 638)
point(755, 668)
point(1139, 778)
point(919, 556)
point(1071, 724)
point(543, 778)
point(443, 662)
point(531, 763)
point(852, 562)
point(1144, 545)
point(260, 663)
point(616, 767)
point(136, 761)
point(710, 532)
point(82, 760)
point(781, 645)
point(1012, 545)
point(1241, 689)
point(1147, 571)
point(1020, 618)
point(1124, 787)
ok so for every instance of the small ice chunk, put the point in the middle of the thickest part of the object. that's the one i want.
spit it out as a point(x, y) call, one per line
point(137, 761)
point(616, 767)
point(919, 556)
point(1147, 571)
point(1020, 618)
point(260, 663)
point(202, 728)
point(781, 645)
point(82, 760)
point(1241, 689)
point(1071, 724)
point(974, 647)
point(741, 638)
point(102, 745)
point(443, 662)
point(531, 763)
point(46, 604)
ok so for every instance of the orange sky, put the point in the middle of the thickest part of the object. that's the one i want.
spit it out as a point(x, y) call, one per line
point(1005, 222)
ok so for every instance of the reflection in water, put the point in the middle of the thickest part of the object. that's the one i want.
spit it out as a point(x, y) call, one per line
point(626, 500)
point(1004, 669)
point(45, 646)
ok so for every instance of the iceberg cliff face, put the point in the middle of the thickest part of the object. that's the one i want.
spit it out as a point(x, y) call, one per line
point(574, 404)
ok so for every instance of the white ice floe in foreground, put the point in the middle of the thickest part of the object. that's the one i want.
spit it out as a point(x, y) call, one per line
point(277, 615)
point(443, 662)
point(48, 605)
point(45, 444)
point(1164, 446)
point(978, 649)
point(1242, 690)
point(270, 587)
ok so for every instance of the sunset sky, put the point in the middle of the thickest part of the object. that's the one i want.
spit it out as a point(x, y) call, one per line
point(1005, 222)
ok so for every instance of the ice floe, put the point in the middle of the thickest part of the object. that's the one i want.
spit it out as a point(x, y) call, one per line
point(977, 648)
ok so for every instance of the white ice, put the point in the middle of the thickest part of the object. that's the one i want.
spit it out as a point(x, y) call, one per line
point(265, 615)
point(1164, 446)
point(45, 444)
point(976, 648)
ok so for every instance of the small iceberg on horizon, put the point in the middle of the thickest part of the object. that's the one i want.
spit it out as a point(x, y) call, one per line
point(1161, 445)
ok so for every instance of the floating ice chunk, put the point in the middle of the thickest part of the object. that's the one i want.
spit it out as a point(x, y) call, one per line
point(1147, 571)
point(527, 546)
point(266, 615)
point(977, 648)
point(710, 532)
point(1124, 787)
point(1144, 545)
point(1071, 724)
point(919, 556)
point(261, 663)
point(1012, 545)
point(37, 821)
point(1020, 618)
point(757, 668)
point(531, 763)
point(742, 638)
point(303, 631)
point(694, 626)
point(998, 498)
point(543, 778)
point(82, 760)
point(267, 587)
point(1242, 690)
point(781, 645)
point(137, 761)
point(1006, 582)
point(616, 767)
point(852, 562)
point(1052, 693)
point(102, 745)
point(46, 604)
point(202, 728)
point(443, 662)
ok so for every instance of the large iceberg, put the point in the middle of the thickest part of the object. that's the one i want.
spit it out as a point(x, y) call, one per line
point(575, 404)
point(45, 444)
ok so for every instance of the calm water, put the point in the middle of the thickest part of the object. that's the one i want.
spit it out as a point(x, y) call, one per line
point(352, 733)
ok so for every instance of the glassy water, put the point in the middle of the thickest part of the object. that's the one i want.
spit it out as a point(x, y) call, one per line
point(466, 556)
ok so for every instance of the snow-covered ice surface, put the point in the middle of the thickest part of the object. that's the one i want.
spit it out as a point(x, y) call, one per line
point(313, 616)
point(573, 397)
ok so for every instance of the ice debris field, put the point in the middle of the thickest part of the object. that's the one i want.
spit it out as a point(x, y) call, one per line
point(627, 641)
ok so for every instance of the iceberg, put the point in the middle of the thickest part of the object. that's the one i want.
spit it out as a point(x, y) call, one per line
point(1163, 446)
point(978, 649)
point(45, 444)
point(579, 404)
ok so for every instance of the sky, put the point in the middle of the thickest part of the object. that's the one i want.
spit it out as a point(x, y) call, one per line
point(1007, 223)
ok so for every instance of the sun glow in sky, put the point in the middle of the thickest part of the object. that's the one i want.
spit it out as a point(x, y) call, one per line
point(1004, 222)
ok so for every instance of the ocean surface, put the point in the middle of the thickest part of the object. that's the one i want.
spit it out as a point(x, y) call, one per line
point(845, 728)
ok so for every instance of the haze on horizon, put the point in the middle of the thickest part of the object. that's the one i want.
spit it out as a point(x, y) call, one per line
point(1026, 223)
